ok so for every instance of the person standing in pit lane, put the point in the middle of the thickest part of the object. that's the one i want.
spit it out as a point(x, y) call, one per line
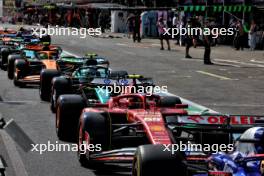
point(252, 35)
point(161, 29)
point(207, 45)
point(136, 28)
point(188, 39)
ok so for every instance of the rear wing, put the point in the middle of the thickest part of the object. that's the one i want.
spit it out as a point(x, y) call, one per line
point(82, 61)
point(98, 59)
point(217, 122)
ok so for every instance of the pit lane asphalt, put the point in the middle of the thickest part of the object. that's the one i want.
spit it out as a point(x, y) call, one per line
point(242, 93)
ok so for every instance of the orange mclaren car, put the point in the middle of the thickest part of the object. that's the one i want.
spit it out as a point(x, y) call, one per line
point(27, 69)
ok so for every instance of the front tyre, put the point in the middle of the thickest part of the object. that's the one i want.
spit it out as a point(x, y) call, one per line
point(46, 77)
point(154, 160)
point(11, 65)
point(19, 72)
point(94, 129)
point(60, 86)
point(67, 116)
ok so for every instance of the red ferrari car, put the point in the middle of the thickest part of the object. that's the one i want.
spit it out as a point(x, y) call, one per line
point(116, 128)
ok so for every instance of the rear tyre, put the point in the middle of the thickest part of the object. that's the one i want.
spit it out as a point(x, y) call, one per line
point(10, 65)
point(45, 83)
point(4, 54)
point(97, 126)
point(20, 69)
point(154, 160)
point(60, 86)
point(67, 116)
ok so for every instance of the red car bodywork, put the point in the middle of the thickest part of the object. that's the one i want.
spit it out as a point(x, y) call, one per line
point(148, 117)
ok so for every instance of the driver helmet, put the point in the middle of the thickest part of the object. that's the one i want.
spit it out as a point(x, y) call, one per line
point(251, 141)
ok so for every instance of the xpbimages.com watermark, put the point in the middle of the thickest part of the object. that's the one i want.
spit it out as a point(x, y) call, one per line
point(123, 89)
point(191, 147)
point(59, 147)
point(214, 32)
point(65, 31)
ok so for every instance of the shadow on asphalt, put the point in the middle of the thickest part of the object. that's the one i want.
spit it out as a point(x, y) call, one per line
point(29, 87)
point(113, 170)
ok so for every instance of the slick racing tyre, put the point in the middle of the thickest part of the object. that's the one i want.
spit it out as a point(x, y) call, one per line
point(60, 86)
point(46, 77)
point(94, 129)
point(67, 116)
point(20, 67)
point(10, 65)
point(169, 101)
point(154, 160)
point(4, 54)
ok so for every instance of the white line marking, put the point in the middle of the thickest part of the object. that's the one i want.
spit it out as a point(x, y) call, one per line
point(154, 44)
point(121, 44)
point(260, 62)
point(13, 154)
point(225, 64)
point(214, 75)
point(69, 53)
point(239, 62)
point(130, 53)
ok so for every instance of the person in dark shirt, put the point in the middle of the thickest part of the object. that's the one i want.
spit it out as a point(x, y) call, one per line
point(188, 40)
point(136, 31)
point(207, 46)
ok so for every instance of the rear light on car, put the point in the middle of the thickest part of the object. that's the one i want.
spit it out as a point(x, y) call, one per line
point(219, 173)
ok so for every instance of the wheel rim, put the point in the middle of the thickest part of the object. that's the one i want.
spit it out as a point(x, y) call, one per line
point(86, 141)
point(40, 92)
point(15, 75)
point(136, 171)
point(82, 141)
point(53, 99)
point(57, 120)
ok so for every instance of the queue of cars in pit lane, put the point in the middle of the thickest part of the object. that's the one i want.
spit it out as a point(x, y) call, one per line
point(129, 127)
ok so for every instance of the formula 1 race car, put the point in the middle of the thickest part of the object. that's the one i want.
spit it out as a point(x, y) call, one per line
point(28, 65)
point(12, 44)
point(66, 66)
point(94, 80)
point(69, 84)
point(29, 51)
point(126, 120)
point(244, 158)
point(124, 123)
